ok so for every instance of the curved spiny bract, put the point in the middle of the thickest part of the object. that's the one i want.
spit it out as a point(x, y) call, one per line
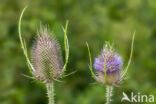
point(46, 57)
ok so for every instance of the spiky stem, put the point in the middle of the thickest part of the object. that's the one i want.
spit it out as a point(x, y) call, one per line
point(50, 91)
point(108, 94)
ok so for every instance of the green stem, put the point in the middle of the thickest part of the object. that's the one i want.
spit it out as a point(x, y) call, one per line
point(50, 91)
point(108, 94)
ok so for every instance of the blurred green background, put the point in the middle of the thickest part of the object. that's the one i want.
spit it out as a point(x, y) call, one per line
point(94, 21)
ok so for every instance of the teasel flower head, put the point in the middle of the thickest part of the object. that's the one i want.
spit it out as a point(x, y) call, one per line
point(46, 61)
point(46, 64)
point(108, 65)
point(46, 57)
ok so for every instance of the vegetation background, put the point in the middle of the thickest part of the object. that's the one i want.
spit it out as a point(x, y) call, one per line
point(94, 21)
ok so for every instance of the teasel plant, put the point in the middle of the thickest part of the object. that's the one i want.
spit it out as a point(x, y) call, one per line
point(46, 64)
point(108, 66)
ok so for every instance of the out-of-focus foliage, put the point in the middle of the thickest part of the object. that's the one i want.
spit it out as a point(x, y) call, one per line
point(94, 21)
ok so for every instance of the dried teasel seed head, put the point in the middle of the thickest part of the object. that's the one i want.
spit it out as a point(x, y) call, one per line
point(46, 57)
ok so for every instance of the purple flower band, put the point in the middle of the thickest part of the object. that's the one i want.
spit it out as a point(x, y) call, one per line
point(113, 62)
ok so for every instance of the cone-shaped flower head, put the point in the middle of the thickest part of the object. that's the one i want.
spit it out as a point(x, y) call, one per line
point(108, 65)
point(46, 57)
